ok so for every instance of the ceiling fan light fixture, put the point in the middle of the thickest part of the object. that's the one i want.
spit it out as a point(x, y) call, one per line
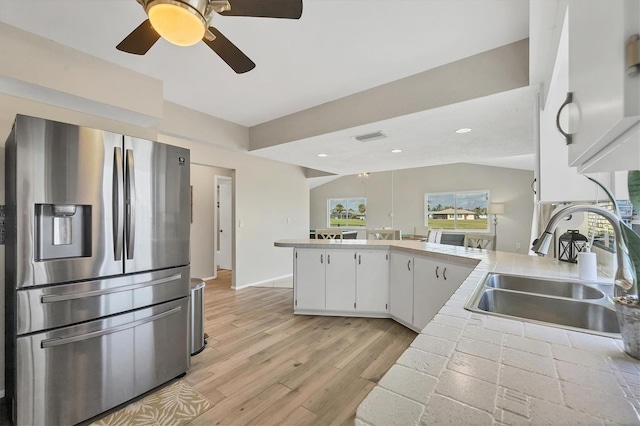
point(177, 22)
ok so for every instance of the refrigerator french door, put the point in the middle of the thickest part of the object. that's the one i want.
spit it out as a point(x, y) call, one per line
point(97, 274)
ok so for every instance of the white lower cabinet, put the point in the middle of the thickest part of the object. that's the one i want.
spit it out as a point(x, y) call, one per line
point(309, 288)
point(372, 281)
point(341, 280)
point(410, 289)
point(420, 286)
point(401, 288)
point(434, 282)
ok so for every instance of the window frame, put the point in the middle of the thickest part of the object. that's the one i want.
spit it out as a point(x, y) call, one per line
point(455, 194)
point(346, 203)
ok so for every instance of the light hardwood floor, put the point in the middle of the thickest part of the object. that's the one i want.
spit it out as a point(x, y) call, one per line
point(265, 366)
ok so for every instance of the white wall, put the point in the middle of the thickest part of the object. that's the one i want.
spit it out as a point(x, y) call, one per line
point(271, 203)
point(405, 198)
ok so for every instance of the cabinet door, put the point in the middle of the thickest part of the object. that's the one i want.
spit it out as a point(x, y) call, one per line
point(553, 152)
point(451, 277)
point(426, 295)
point(340, 280)
point(372, 281)
point(309, 279)
point(605, 95)
point(401, 287)
point(434, 283)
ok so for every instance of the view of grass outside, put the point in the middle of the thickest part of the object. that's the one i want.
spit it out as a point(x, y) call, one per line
point(464, 210)
point(479, 224)
point(347, 212)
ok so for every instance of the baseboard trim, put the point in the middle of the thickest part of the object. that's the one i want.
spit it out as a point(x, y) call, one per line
point(259, 283)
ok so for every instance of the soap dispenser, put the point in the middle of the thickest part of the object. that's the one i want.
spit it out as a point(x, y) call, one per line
point(587, 264)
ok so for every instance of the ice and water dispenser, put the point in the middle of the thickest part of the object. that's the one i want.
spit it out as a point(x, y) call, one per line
point(62, 231)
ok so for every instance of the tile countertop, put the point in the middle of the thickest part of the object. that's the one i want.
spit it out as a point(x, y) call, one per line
point(471, 368)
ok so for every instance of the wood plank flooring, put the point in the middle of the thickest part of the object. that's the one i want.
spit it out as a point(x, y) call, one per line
point(265, 366)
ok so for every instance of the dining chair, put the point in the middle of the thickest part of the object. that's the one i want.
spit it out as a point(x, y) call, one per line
point(383, 234)
point(434, 236)
point(329, 234)
point(477, 240)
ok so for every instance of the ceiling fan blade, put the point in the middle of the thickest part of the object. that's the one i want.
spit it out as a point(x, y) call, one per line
point(140, 40)
point(229, 53)
point(288, 9)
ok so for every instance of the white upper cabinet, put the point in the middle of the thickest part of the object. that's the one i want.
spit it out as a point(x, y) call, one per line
point(557, 181)
point(605, 111)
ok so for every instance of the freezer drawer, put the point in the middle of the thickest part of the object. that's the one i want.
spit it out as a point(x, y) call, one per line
point(74, 373)
point(61, 305)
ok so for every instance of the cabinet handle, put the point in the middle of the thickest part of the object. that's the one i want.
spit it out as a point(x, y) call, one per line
point(567, 136)
point(437, 267)
point(321, 258)
point(444, 273)
point(328, 258)
point(359, 259)
point(409, 265)
point(532, 188)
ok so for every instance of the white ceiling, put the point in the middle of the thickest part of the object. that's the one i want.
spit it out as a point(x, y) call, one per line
point(337, 48)
point(502, 126)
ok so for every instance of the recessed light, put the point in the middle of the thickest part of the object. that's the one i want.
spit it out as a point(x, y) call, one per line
point(463, 130)
point(395, 151)
point(322, 155)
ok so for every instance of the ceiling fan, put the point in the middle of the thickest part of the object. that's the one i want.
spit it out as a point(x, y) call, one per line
point(185, 22)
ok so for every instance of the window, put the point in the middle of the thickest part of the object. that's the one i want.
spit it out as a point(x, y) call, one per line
point(347, 212)
point(457, 210)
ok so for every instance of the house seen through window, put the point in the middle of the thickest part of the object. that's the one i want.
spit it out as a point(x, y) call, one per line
point(457, 210)
point(348, 212)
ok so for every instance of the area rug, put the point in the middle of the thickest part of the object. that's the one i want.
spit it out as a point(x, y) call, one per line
point(174, 405)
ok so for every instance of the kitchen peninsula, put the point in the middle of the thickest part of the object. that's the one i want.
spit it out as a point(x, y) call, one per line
point(470, 368)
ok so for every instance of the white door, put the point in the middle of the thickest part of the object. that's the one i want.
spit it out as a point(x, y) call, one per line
point(426, 292)
point(401, 287)
point(372, 284)
point(340, 280)
point(225, 227)
point(309, 287)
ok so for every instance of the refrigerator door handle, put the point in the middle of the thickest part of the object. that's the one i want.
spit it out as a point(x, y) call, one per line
point(118, 204)
point(131, 203)
point(50, 298)
point(58, 341)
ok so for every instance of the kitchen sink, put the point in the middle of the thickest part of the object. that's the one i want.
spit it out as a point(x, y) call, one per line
point(558, 303)
point(573, 290)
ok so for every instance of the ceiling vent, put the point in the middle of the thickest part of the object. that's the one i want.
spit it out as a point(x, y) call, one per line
point(370, 136)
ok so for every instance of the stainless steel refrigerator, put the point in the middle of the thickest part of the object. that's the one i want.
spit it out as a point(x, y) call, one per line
point(97, 269)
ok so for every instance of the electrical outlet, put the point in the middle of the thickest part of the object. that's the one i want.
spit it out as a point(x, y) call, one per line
point(518, 245)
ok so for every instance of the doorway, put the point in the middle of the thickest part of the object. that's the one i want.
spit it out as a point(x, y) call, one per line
point(204, 221)
point(224, 222)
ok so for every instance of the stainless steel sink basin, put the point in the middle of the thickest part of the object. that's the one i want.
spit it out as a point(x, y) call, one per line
point(573, 290)
point(565, 304)
point(570, 313)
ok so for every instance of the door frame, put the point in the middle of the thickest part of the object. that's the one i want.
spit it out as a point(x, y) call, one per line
point(230, 180)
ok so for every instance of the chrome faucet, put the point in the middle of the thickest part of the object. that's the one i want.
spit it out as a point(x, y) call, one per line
point(624, 279)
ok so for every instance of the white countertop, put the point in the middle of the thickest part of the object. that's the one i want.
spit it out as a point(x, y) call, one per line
point(472, 368)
